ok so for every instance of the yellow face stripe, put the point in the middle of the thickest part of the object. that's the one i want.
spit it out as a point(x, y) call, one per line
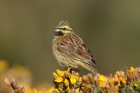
point(66, 27)
point(63, 30)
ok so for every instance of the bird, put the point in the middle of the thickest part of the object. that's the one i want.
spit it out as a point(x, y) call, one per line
point(70, 50)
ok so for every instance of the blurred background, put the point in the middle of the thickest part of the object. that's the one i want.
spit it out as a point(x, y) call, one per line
point(110, 29)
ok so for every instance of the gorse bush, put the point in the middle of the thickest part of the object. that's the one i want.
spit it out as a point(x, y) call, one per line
point(69, 81)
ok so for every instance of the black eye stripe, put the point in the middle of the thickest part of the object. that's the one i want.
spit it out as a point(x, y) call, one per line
point(63, 28)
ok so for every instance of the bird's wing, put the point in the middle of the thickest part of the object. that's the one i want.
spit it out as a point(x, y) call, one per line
point(73, 46)
point(84, 55)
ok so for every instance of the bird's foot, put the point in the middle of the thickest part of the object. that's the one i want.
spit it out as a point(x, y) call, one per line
point(73, 70)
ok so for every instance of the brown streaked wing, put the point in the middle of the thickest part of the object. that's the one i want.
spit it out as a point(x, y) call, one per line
point(83, 54)
point(69, 44)
point(73, 46)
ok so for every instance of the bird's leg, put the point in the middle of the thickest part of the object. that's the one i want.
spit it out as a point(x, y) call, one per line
point(69, 69)
point(74, 70)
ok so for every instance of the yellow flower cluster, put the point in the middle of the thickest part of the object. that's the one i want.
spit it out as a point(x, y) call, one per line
point(67, 82)
point(64, 80)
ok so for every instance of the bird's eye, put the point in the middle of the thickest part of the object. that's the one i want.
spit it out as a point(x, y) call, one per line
point(64, 28)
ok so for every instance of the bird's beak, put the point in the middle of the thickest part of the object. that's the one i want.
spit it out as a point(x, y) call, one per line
point(57, 30)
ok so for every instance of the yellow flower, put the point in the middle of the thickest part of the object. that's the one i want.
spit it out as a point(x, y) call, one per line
point(60, 73)
point(28, 89)
point(55, 75)
point(53, 90)
point(73, 79)
point(59, 79)
point(136, 84)
point(86, 87)
point(122, 80)
point(103, 81)
point(118, 72)
point(132, 69)
point(113, 79)
point(66, 82)
point(77, 90)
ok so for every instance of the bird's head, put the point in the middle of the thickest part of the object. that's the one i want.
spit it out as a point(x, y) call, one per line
point(63, 29)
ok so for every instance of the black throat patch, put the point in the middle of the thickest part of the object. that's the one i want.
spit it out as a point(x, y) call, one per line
point(59, 33)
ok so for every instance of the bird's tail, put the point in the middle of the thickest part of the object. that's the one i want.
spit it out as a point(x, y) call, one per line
point(94, 71)
point(90, 68)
